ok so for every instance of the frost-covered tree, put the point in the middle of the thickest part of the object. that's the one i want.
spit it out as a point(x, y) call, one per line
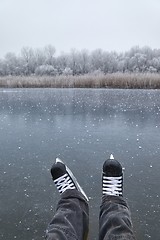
point(67, 72)
point(97, 60)
point(73, 61)
point(44, 61)
point(84, 61)
point(155, 63)
point(3, 68)
point(12, 64)
point(113, 62)
point(121, 66)
point(49, 51)
point(28, 60)
point(40, 57)
point(46, 70)
point(62, 62)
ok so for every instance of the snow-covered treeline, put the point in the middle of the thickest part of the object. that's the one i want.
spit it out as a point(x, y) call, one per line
point(45, 62)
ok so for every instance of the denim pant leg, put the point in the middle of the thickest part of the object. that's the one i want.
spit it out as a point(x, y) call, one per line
point(115, 219)
point(71, 220)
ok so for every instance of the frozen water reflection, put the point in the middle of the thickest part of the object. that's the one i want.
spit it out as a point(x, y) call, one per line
point(82, 127)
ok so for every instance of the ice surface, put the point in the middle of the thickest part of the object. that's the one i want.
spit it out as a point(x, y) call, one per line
point(83, 127)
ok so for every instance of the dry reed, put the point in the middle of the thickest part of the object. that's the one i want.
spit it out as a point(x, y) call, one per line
point(114, 80)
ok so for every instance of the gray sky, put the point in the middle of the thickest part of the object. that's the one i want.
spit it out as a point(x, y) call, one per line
point(81, 24)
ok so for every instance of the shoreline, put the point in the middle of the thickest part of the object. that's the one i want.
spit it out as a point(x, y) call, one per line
point(113, 80)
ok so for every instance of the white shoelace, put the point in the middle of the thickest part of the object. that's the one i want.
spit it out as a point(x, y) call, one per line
point(112, 186)
point(63, 183)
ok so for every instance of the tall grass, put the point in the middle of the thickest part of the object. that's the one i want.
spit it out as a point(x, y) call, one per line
point(115, 80)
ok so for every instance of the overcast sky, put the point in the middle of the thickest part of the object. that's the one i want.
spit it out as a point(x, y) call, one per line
point(81, 24)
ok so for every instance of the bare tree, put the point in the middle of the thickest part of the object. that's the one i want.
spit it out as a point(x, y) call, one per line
point(40, 57)
point(49, 53)
point(28, 60)
point(44, 61)
point(11, 63)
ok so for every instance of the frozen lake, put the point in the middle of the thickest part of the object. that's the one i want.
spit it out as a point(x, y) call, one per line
point(82, 127)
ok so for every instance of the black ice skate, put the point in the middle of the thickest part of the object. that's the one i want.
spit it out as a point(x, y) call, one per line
point(64, 178)
point(112, 178)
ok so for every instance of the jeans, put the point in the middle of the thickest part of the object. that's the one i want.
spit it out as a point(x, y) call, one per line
point(71, 220)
